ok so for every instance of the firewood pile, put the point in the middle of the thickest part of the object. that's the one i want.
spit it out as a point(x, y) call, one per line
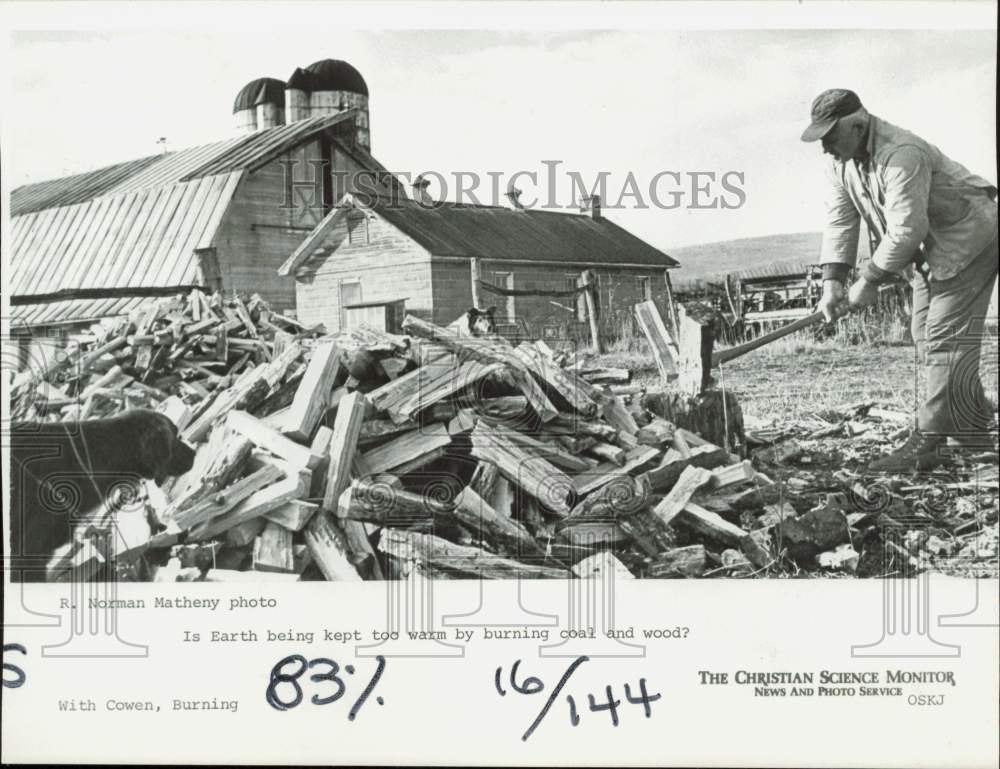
point(943, 520)
point(365, 455)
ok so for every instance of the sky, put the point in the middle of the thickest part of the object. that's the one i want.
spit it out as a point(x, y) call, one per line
point(618, 101)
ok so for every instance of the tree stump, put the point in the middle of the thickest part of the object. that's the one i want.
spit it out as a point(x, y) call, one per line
point(717, 421)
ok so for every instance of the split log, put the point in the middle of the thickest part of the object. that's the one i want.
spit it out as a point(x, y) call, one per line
point(553, 454)
point(484, 479)
point(607, 453)
point(568, 424)
point(244, 533)
point(329, 549)
point(442, 554)
point(488, 353)
point(402, 398)
point(320, 446)
point(708, 524)
point(662, 478)
point(555, 379)
point(293, 515)
point(622, 495)
point(376, 430)
point(343, 444)
point(272, 550)
point(651, 323)
point(648, 533)
point(636, 461)
point(409, 451)
point(657, 433)
point(691, 479)
point(588, 535)
point(370, 501)
point(602, 565)
point(532, 473)
point(680, 562)
point(605, 375)
point(227, 498)
point(727, 476)
point(217, 464)
point(313, 392)
point(255, 505)
point(475, 514)
point(268, 438)
point(246, 392)
point(616, 414)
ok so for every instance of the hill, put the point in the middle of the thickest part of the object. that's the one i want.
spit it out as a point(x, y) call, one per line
point(745, 253)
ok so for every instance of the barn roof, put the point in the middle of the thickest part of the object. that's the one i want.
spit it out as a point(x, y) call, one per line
point(497, 233)
point(131, 225)
point(240, 153)
point(140, 239)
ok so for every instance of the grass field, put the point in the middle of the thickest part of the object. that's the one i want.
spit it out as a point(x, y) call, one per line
point(798, 376)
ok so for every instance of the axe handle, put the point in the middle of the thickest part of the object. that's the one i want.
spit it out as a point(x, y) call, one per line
point(742, 349)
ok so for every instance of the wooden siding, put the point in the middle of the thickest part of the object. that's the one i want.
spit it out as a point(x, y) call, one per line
point(390, 266)
point(619, 289)
point(262, 230)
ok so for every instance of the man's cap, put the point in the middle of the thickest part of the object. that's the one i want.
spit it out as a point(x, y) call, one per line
point(827, 108)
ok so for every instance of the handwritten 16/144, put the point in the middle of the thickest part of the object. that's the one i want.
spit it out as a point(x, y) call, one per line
point(534, 685)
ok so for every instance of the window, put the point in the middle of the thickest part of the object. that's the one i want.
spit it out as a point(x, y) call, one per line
point(506, 280)
point(645, 288)
point(350, 293)
point(357, 228)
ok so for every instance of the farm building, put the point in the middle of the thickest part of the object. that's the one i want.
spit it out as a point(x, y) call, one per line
point(527, 263)
point(222, 216)
point(227, 216)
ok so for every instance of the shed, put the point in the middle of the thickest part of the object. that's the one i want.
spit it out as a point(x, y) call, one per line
point(529, 262)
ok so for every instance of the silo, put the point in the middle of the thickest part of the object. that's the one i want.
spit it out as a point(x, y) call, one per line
point(260, 104)
point(336, 86)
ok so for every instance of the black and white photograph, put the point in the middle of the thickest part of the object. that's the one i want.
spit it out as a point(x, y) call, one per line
point(419, 293)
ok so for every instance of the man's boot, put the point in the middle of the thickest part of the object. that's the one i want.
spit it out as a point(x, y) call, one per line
point(920, 452)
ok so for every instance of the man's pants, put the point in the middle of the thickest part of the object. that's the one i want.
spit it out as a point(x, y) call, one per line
point(947, 326)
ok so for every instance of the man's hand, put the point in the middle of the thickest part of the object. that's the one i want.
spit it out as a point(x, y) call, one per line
point(833, 303)
point(862, 294)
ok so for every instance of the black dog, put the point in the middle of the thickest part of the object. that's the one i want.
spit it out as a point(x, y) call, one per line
point(64, 469)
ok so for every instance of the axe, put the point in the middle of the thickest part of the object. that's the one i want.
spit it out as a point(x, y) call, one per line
point(724, 356)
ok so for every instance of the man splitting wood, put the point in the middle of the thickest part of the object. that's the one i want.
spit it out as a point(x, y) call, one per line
point(927, 216)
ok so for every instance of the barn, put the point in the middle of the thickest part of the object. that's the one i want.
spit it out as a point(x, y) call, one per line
point(228, 215)
point(221, 216)
point(442, 258)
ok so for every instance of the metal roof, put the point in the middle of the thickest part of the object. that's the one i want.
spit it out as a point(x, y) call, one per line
point(492, 232)
point(141, 238)
point(78, 188)
point(73, 311)
point(247, 152)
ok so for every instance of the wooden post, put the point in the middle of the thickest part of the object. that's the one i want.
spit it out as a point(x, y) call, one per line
point(671, 306)
point(476, 276)
point(588, 296)
point(659, 342)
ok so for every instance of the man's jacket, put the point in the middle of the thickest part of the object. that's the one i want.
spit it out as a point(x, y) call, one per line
point(909, 193)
